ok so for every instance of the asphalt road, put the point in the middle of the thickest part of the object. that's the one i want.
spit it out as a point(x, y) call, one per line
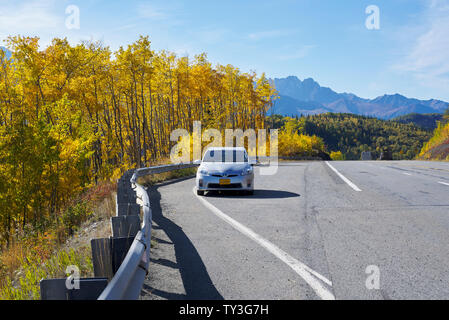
point(309, 232)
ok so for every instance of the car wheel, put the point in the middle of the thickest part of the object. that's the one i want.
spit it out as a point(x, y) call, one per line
point(200, 192)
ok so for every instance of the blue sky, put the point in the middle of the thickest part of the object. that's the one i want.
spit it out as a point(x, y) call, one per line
point(323, 39)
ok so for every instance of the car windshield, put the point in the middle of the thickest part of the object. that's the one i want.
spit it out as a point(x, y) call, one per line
point(225, 156)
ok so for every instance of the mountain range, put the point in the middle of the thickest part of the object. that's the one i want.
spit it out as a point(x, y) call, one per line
point(307, 97)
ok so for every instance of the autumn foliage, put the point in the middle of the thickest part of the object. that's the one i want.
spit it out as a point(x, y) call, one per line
point(74, 115)
point(294, 144)
point(437, 148)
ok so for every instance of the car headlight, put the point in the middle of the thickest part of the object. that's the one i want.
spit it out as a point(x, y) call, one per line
point(247, 171)
point(204, 172)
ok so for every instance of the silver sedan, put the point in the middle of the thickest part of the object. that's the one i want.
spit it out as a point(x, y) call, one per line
point(225, 169)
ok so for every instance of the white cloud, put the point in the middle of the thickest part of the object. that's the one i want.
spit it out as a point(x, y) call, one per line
point(428, 56)
point(126, 27)
point(270, 34)
point(164, 14)
point(298, 53)
point(211, 36)
point(183, 51)
point(29, 17)
point(150, 11)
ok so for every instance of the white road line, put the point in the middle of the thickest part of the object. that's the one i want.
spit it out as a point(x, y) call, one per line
point(310, 276)
point(353, 186)
point(446, 184)
point(406, 173)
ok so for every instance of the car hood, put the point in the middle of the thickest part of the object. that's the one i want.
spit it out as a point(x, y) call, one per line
point(223, 167)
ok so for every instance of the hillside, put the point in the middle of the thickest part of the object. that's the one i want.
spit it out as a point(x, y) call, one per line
point(307, 97)
point(426, 121)
point(437, 148)
point(352, 134)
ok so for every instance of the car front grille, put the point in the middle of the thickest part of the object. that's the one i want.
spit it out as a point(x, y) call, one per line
point(225, 186)
point(224, 176)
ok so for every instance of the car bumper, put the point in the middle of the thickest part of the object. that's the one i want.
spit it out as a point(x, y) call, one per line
point(210, 183)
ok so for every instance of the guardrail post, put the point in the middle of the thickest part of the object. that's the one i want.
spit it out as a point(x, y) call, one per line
point(120, 247)
point(102, 257)
point(125, 226)
point(127, 209)
point(108, 255)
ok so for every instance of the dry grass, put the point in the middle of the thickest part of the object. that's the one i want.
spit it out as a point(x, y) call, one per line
point(98, 226)
point(42, 254)
point(10, 261)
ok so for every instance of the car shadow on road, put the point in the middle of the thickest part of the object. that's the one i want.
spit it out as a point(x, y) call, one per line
point(196, 280)
point(258, 194)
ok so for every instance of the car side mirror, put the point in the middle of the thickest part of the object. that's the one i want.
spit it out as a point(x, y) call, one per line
point(252, 162)
point(196, 161)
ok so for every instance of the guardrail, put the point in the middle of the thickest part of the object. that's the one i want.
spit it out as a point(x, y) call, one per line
point(128, 280)
point(121, 261)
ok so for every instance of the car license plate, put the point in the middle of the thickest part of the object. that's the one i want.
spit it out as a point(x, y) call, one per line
point(225, 181)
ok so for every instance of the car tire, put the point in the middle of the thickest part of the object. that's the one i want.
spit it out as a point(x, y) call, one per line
point(200, 192)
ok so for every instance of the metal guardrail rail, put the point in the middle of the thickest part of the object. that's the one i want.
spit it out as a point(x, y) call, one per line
point(128, 280)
